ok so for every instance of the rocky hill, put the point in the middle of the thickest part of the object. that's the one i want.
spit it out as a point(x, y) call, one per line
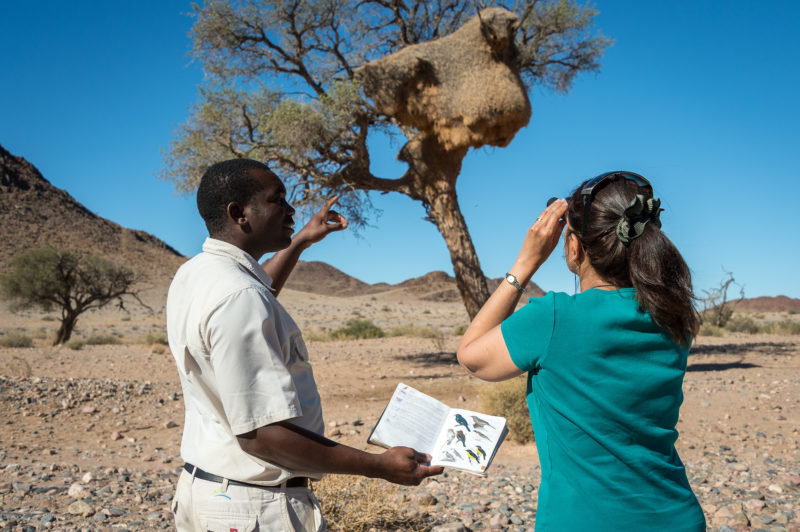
point(767, 304)
point(34, 213)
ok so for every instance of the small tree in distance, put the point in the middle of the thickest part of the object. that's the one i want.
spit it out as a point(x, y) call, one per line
point(300, 84)
point(717, 308)
point(67, 280)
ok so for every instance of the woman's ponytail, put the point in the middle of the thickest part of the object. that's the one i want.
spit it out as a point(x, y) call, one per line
point(624, 243)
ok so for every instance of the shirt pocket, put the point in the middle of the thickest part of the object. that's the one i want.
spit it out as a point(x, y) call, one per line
point(298, 346)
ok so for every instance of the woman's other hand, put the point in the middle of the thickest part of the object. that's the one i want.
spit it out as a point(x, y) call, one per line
point(541, 239)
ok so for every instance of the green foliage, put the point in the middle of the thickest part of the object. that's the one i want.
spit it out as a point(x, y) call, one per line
point(102, 339)
point(459, 330)
point(706, 329)
point(781, 327)
point(744, 324)
point(76, 344)
point(283, 83)
point(741, 323)
point(356, 329)
point(419, 331)
point(507, 399)
point(66, 280)
point(16, 339)
point(159, 338)
point(316, 335)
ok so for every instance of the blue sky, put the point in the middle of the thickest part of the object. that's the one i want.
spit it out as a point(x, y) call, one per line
point(700, 97)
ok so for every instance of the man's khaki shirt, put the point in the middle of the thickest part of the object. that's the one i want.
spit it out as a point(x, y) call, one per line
point(242, 362)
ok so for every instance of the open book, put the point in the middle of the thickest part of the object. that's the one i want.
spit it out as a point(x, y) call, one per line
point(457, 438)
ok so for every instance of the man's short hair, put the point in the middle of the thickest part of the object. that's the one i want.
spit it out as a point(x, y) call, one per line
point(223, 183)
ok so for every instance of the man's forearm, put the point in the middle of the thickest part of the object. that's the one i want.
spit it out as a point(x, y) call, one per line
point(295, 448)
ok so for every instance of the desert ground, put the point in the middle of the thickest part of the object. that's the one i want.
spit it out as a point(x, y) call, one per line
point(90, 437)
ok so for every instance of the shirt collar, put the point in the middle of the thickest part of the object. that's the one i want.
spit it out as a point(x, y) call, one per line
point(225, 249)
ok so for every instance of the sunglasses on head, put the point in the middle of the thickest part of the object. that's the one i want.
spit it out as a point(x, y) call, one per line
point(590, 189)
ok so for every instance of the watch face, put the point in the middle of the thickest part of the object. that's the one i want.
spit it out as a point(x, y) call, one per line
point(510, 278)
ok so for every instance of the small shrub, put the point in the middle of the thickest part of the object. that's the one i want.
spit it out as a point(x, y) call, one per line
point(419, 331)
point(76, 344)
point(16, 339)
point(154, 338)
point(102, 339)
point(792, 312)
point(706, 329)
point(358, 504)
point(507, 399)
point(460, 330)
point(356, 329)
point(782, 327)
point(739, 323)
point(48, 318)
point(316, 335)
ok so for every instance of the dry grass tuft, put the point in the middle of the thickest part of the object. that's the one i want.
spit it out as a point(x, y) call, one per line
point(507, 399)
point(16, 339)
point(358, 504)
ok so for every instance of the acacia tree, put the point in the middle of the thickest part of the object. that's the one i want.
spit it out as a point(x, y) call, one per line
point(284, 86)
point(74, 283)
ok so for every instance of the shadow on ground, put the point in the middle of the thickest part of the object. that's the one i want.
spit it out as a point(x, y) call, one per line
point(431, 359)
point(766, 348)
point(721, 366)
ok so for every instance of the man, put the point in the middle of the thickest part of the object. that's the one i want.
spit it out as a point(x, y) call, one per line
point(253, 430)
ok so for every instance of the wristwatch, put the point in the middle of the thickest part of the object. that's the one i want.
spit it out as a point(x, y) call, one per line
point(513, 282)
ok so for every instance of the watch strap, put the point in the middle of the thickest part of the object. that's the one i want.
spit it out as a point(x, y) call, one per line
point(512, 280)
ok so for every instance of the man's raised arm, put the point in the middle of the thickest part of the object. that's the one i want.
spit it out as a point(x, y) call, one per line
point(323, 223)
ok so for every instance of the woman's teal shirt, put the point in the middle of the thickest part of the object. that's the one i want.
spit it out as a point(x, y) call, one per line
point(604, 390)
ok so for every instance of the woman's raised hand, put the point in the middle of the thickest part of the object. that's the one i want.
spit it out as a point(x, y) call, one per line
point(541, 239)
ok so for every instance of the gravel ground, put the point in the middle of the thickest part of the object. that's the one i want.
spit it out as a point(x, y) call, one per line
point(102, 454)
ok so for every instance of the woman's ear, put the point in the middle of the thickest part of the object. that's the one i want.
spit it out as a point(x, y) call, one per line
point(573, 251)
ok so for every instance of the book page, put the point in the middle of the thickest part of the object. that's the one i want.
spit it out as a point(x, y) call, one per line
point(411, 419)
point(469, 440)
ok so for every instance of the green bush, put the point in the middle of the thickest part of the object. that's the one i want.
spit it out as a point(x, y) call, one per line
point(420, 331)
point(16, 339)
point(356, 329)
point(782, 327)
point(159, 337)
point(316, 335)
point(76, 344)
point(745, 324)
point(102, 339)
point(507, 399)
point(706, 329)
point(460, 330)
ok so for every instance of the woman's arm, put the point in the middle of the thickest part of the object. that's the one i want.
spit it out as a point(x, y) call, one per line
point(482, 351)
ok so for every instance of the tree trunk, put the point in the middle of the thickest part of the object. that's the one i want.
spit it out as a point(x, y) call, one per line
point(433, 172)
point(65, 330)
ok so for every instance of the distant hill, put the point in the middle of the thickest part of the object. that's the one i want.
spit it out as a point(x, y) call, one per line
point(322, 278)
point(34, 213)
point(768, 304)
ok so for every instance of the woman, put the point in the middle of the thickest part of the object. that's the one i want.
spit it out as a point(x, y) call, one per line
point(605, 366)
